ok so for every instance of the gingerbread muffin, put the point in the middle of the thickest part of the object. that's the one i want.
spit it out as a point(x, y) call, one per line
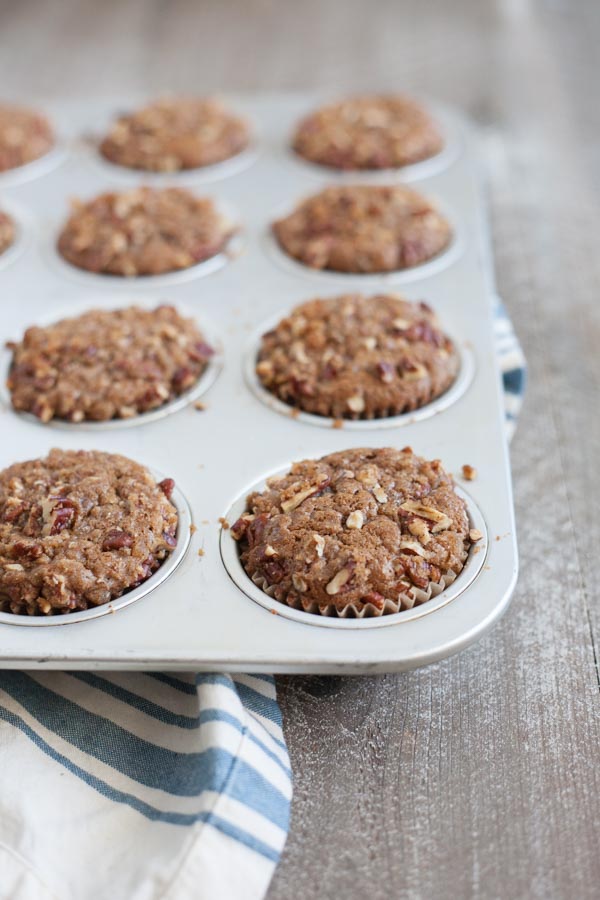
point(363, 229)
point(78, 529)
point(358, 357)
point(7, 231)
point(371, 132)
point(106, 364)
point(176, 133)
point(25, 135)
point(360, 532)
point(145, 231)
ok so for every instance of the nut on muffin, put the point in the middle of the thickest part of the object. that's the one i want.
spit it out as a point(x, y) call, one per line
point(359, 532)
point(370, 132)
point(7, 231)
point(144, 231)
point(175, 133)
point(363, 229)
point(78, 529)
point(106, 364)
point(25, 135)
point(358, 357)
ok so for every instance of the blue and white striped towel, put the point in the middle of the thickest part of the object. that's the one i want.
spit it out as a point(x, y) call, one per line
point(147, 786)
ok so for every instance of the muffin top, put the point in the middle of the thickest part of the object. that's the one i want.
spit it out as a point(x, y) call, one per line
point(363, 228)
point(356, 529)
point(175, 133)
point(7, 231)
point(358, 357)
point(106, 364)
point(145, 231)
point(371, 132)
point(25, 135)
point(78, 529)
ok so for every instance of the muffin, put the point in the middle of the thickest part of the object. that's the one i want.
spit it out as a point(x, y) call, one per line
point(78, 529)
point(25, 135)
point(357, 533)
point(363, 229)
point(357, 357)
point(7, 231)
point(175, 133)
point(145, 231)
point(371, 132)
point(106, 364)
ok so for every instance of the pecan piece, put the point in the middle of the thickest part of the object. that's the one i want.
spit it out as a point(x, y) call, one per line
point(375, 599)
point(296, 499)
point(169, 539)
point(274, 571)
point(167, 486)
point(201, 351)
point(442, 521)
point(386, 371)
point(117, 540)
point(29, 551)
point(340, 580)
point(411, 547)
point(239, 528)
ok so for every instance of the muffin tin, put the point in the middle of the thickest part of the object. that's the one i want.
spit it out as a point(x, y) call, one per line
point(200, 611)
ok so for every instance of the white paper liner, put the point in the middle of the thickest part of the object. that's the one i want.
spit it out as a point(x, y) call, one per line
point(416, 597)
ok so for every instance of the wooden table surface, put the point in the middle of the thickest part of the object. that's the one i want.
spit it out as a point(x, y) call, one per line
point(478, 776)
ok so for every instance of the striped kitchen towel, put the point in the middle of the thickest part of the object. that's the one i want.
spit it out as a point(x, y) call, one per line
point(128, 786)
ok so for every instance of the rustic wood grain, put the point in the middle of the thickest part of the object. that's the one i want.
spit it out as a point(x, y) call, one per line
point(477, 777)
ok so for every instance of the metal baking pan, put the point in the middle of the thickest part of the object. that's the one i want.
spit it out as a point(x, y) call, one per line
point(200, 611)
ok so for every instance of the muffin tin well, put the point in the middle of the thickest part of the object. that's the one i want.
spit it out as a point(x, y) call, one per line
point(37, 167)
point(366, 281)
point(50, 231)
point(120, 301)
point(157, 578)
point(231, 560)
point(439, 404)
point(426, 168)
point(198, 614)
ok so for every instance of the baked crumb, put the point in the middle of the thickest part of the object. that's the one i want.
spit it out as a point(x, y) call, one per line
point(469, 473)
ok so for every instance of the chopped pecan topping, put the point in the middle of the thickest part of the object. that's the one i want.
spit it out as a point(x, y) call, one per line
point(167, 486)
point(356, 520)
point(442, 521)
point(296, 499)
point(340, 579)
point(117, 540)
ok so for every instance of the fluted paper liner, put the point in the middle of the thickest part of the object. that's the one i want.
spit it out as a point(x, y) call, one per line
point(416, 597)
